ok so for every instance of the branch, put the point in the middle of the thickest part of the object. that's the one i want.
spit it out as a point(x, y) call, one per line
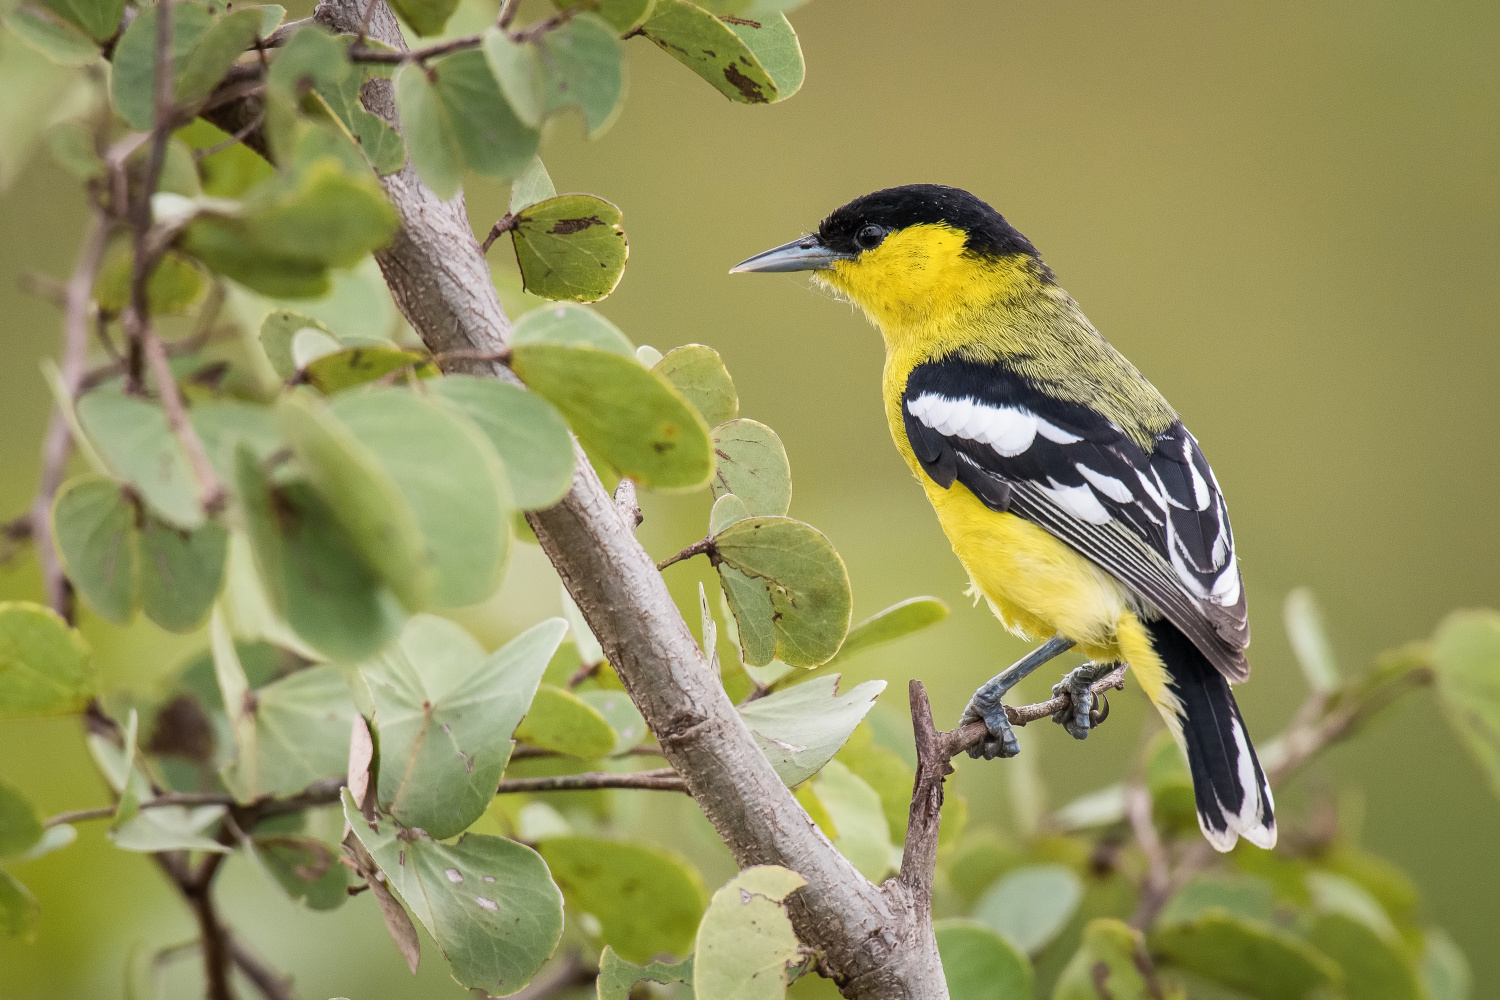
point(705, 545)
point(663, 779)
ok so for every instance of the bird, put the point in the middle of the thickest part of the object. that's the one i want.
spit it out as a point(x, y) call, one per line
point(1082, 509)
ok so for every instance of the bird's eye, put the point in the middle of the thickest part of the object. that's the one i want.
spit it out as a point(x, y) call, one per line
point(869, 237)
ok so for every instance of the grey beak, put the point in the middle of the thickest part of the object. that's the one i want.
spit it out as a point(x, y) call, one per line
point(806, 254)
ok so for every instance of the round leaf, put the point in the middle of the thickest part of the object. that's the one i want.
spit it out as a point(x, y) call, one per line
point(647, 900)
point(534, 185)
point(758, 62)
point(44, 664)
point(564, 723)
point(100, 18)
point(1031, 905)
point(624, 15)
point(307, 869)
point(53, 37)
point(95, 530)
point(634, 420)
point(1374, 968)
point(800, 729)
point(570, 247)
point(621, 714)
point(753, 466)
point(528, 434)
point(1246, 955)
point(582, 66)
point(860, 831)
point(133, 436)
point(1107, 962)
point(572, 326)
point(699, 374)
point(979, 964)
point(133, 78)
point(518, 70)
point(726, 510)
point(347, 367)
point(181, 573)
point(433, 147)
point(746, 942)
point(805, 579)
point(488, 902)
point(276, 333)
point(299, 733)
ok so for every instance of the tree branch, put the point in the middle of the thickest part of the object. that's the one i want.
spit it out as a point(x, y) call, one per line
point(663, 779)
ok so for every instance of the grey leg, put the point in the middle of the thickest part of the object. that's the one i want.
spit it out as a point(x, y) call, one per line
point(1076, 716)
point(985, 706)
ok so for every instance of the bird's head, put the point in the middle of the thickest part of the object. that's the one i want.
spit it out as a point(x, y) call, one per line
point(906, 255)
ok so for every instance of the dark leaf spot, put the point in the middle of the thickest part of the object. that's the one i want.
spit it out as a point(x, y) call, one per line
point(746, 86)
point(567, 227)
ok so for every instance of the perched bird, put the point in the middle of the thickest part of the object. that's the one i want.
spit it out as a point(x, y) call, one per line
point(1081, 507)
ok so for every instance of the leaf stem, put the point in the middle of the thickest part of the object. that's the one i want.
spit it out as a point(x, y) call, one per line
point(698, 548)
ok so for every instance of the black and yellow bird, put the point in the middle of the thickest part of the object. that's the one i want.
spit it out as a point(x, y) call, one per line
point(1081, 507)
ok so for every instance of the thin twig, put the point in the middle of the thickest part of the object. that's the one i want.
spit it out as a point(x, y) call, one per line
point(663, 779)
point(506, 223)
point(271, 984)
point(1158, 887)
point(530, 33)
point(524, 752)
point(705, 545)
point(211, 493)
point(58, 441)
point(507, 13)
point(199, 155)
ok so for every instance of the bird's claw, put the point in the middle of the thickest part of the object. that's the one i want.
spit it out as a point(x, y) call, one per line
point(999, 738)
point(1080, 714)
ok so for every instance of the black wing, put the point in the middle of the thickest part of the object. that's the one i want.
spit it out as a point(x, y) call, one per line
point(1154, 520)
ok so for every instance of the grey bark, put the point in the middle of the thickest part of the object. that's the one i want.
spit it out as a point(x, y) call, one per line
point(876, 942)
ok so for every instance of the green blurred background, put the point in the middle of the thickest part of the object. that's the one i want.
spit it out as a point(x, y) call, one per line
point(1286, 214)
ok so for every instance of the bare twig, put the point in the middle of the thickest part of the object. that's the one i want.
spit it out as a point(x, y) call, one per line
point(59, 438)
point(704, 545)
point(1158, 887)
point(663, 779)
point(239, 135)
point(506, 224)
point(530, 33)
point(271, 984)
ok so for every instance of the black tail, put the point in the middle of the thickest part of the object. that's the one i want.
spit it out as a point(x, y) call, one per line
point(1231, 791)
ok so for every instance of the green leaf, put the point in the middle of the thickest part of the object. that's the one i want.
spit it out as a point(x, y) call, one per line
point(759, 62)
point(570, 325)
point(445, 713)
point(1374, 969)
point(133, 78)
point(426, 17)
point(301, 734)
point(746, 942)
point(362, 493)
point(381, 144)
point(534, 185)
point(623, 15)
point(312, 570)
point(630, 417)
point(517, 67)
point(1309, 639)
point(276, 333)
point(44, 664)
point(455, 116)
point(170, 828)
point(18, 909)
point(564, 723)
point(348, 367)
point(94, 526)
point(621, 714)
point(174, 286)
point(860, 831)
point(181, 572)
point(54, 838)
point(801, 728)
point(1030, 906)
point(647, 900)
point(323, 213)
point(727, 510)
point(582, 66)
point(223, 423)
point(1245, 955)
point(570, 247)
point(1336, 894)
point(1107, 964)
point(53, 37)
point(31, 83)
point(135, 439)
point(753, 466)
point(1240, 895)
point(130, 791)
point(883, 770)
point(806, 581)
point(699, 374)
point(528, 434)
point(100, 18)
point(1466, 657)
point(20, 826)
point(979, 964)
point(222, 245)
point(896, 622)
point(647, 355)
point(307, 869)
point(488, 902)
point(449, 477)
point(617, 976)
point(225, 40)
point(1445, 970)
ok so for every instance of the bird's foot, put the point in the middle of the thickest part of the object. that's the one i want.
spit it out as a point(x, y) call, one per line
point(999, 739)
point(1080, 714)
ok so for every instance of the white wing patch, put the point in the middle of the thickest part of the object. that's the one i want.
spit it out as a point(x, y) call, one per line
point(1007, 429)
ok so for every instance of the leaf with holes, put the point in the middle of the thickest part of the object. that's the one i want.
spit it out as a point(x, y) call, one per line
point(311, 568)
point(751, 62)
point(699, 374)
point(133, 436)
point(44, 665)
point(570, 247)
point(746, 943)
point(488, 902)
point(647, 900)
point(979, 964)
point(94, 526)
point(617, 976)
point(752, 465)
point(528, 434)
point(801, 728)
point(445, 713)
point(181, 572)
point(805, 580)
point(631, 418)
